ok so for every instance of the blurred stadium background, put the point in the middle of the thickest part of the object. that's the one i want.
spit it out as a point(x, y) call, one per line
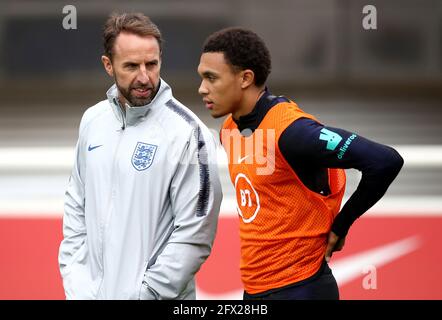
point(385, 84)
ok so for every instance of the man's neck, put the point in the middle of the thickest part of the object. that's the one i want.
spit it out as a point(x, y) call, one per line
point(249, 101)
point(122, 102)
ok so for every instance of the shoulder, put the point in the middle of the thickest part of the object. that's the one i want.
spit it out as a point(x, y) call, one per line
point(227, 128)
point(304, 131)
point(93, 113)
point(285, 113)
point(180, 114)
point(183, 121)
point(228, 123)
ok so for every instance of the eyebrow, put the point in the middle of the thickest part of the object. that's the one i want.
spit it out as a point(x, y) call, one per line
point(129, 63)
point(208, 74)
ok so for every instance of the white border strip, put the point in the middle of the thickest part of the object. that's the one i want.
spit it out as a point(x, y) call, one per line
point(421, 155)
point(36, 158)
point(56, 158)
point(52, 208)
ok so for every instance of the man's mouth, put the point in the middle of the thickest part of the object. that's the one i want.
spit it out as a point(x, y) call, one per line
point(208, 103)
point(142, 92)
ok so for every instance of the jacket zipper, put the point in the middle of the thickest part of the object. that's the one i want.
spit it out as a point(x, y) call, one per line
point(113, 192)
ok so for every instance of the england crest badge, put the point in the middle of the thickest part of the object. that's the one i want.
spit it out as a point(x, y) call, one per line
point(143, 155)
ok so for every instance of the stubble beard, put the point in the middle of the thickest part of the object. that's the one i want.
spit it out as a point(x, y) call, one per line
point(131, 99)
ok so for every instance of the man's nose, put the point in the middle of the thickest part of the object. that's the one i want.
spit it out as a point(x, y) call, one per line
point(202, 90)
point(143, 76)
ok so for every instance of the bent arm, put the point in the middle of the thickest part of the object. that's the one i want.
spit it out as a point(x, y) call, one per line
point(379, 165)
point(196, 195)
point(319, 147)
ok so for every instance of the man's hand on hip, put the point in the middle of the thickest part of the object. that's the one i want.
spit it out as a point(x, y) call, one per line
point(334, 244)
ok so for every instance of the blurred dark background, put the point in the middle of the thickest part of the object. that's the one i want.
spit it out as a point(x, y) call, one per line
point(320, 52)
point(384, 84)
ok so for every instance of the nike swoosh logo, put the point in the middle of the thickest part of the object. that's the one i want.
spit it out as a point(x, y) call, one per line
point(242, 159)
point(346, 269)
point(90, 148)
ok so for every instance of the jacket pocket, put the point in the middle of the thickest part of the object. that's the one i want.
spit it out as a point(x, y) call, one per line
point(146, 293)
point(74, 259)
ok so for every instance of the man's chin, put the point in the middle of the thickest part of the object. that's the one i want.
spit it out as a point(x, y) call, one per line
point(216, 115)
point(135, 102)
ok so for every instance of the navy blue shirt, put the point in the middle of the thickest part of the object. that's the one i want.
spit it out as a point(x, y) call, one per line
point(310, 148)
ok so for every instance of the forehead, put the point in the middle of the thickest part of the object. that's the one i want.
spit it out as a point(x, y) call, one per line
point(214, 62)
point(132, 46)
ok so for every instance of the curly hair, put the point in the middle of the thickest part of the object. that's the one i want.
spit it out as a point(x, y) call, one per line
point(243, 49)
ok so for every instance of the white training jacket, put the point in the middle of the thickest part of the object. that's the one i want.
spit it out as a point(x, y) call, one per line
point(142, 203)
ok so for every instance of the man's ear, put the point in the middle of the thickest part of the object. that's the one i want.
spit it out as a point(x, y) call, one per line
point(107, 63)
point(248, 78)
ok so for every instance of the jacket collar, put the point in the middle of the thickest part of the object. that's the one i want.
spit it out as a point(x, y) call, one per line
point(134, 115)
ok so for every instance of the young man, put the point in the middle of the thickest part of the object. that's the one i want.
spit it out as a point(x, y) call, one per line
point(143, 199)
point(287, 170)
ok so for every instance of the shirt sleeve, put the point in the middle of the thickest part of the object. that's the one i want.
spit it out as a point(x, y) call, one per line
point(308, 143)
point(196, 195)
point(72, 248)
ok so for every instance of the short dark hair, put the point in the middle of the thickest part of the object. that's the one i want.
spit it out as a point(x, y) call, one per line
point(243, 49)
point(136, 23)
